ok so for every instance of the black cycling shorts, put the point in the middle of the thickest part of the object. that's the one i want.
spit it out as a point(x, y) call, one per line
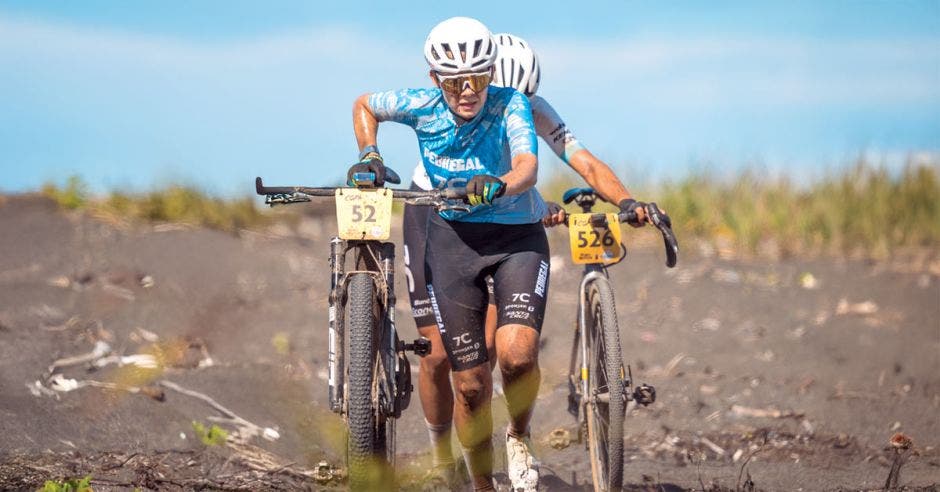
point(415, 230)
point(459, 258)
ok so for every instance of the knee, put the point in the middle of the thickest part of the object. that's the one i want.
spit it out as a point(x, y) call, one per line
point(472, 391)
point(435, 364)
point(514, 365)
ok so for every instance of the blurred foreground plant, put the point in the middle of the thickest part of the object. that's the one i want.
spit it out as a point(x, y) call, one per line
point(71, 485)
point(212, 436)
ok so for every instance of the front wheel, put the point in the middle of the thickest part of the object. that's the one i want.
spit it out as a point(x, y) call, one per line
point(606, 400)
point(366, 447)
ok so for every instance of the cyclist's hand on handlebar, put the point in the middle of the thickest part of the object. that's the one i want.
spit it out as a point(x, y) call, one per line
point(484, 188)
point(636, 211)
point(638, 215)
point(370, 162)
point(556, 215)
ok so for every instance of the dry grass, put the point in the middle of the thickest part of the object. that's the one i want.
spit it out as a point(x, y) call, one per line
point(174, 203)
point(864, 210)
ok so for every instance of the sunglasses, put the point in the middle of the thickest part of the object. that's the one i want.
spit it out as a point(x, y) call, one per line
point(456, 84)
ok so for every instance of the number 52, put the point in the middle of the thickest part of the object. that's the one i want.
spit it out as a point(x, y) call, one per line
point(357, 211)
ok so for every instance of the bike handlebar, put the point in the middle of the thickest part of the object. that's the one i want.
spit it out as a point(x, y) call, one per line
point(658, 218)
point(457, 193)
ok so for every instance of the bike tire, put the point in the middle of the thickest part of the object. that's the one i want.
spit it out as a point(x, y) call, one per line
point(365, 468)
point(605, 374)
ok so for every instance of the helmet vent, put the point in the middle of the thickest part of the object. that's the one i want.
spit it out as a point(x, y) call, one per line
point(477, 45)
point(448, 51)
point(462, 47)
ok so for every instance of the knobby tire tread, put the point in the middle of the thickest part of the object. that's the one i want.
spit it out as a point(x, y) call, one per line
point(604, 317)
point(360, 415)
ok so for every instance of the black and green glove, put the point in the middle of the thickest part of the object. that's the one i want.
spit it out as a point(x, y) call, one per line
point(484, 188)
point(369, 162)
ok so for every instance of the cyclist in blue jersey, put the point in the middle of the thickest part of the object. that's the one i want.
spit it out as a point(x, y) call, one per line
point(480, 136)
point(516, 66)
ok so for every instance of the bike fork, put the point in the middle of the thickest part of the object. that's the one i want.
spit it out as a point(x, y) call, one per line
point(582, 320)
point(388, 350)
point(337, 324)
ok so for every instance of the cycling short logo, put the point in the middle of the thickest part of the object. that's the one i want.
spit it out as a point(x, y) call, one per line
point(437, 312)
point(542, 279)
point(462, 339)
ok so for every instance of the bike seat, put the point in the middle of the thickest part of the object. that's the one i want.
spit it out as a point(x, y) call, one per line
point(578, 193)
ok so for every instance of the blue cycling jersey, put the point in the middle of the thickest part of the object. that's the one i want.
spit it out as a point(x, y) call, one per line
point(453, 153)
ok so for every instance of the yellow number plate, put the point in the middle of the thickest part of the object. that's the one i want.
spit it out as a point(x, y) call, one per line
point(591, 244)
point(364, 214)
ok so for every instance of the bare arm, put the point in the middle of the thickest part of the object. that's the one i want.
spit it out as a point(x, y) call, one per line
point(599, 176)
point(365, 124)
point(523, 174)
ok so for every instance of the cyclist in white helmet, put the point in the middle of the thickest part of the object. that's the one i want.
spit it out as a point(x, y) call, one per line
point(516, 66)
point(482, 136)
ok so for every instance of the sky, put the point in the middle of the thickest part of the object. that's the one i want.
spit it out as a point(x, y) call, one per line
point(131, 95)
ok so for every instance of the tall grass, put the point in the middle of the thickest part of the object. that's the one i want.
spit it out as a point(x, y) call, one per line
point(864, 210)
point(174, 203)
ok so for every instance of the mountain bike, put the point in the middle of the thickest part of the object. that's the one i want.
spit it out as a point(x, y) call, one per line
point(599, 384)
point(369, 374)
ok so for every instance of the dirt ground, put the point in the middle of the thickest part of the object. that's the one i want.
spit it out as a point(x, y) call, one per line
point(782, 375)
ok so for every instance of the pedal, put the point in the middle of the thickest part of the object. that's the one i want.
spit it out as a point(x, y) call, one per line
point(644, 394)
point(421, 346)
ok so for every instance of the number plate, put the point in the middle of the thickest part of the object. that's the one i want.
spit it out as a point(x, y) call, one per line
point(591, 244)
point(364, 214)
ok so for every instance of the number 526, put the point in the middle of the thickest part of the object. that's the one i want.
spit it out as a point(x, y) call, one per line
point(593, 239)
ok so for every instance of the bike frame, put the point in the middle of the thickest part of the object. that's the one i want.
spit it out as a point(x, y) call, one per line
point(591, 274)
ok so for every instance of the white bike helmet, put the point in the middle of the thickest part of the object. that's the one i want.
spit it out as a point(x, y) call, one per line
point(460, 45)
point(516, 65)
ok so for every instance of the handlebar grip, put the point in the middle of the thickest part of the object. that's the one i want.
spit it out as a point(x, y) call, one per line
point(261, 189)
point(456, 193)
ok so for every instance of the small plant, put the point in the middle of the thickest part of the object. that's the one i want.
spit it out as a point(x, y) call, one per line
point(213, 436)
point(71, 485)
point(74, 195)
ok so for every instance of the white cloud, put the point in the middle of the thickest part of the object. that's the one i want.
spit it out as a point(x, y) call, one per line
point(327, 47)
point(759, 72)
point(234, 106)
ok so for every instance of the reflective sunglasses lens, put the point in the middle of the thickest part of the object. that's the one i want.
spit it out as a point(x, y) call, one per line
point(479, 82)
point(455, 85)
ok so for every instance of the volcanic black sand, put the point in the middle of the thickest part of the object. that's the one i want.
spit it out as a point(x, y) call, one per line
point(789, 374)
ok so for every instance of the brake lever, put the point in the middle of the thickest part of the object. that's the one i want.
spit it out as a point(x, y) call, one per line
point(664, 224)
point(458, 208)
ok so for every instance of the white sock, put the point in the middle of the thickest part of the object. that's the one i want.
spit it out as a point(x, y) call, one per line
point(440, 443)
